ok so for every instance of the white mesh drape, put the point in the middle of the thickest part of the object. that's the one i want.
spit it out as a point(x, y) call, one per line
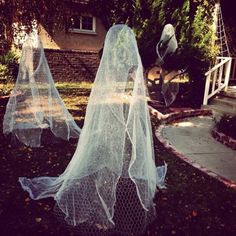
point(170, 89)
point(111, 179)
point(166, 46)
point(35, 104)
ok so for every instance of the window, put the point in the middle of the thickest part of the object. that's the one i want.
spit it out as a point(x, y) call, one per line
point(82, 24)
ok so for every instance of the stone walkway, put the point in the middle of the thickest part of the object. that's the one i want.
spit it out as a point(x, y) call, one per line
point(191, 139)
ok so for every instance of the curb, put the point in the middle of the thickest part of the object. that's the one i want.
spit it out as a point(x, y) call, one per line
point(224, 139)
point(187, 113)
point(181, 115)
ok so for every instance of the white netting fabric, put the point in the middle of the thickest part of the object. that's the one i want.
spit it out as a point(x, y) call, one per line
point(167, 44)
point(170, 90)
point(110, 183)
point(35, 104)
point(165, 48)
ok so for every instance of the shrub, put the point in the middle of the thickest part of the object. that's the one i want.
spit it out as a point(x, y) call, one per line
point(9, 66)
point(8, 71)
point(227, 125)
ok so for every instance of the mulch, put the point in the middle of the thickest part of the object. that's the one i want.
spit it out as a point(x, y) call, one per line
point(193, 203)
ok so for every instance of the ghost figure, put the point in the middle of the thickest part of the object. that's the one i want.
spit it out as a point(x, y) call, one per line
point(165, 48)
point(109, 185)
point(35, 104)
point(167, 44)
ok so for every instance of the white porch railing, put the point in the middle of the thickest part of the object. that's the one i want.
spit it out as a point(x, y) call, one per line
point(217, 78)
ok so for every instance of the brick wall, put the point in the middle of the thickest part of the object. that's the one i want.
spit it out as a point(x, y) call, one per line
point(66, 65)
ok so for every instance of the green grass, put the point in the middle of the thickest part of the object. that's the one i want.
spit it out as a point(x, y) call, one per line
point(73, 85)
point(5, 88)
point(74, 95)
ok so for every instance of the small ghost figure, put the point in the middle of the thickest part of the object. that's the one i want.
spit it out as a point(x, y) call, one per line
point(35, 104)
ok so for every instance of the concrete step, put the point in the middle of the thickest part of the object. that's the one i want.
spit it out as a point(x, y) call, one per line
point(231, 92)
point(218, 110)
point(228, 102)
point(232, 88)
point(224, 102)
point(222, 105)
point(228, 94)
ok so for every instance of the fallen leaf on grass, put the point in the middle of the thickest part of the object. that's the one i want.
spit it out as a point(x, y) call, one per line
point(27, 199)
point(194, 213)
point(38, 220)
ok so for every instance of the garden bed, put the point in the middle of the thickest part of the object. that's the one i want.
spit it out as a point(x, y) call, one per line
point(225, 131)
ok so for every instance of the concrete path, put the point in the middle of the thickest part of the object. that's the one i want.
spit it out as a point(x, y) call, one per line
point(192, 138)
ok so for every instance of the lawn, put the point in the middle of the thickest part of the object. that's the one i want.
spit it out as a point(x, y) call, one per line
point(192, 204)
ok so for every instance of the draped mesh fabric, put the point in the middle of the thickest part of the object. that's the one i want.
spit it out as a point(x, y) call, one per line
point(166, 46)
point(111, 180)
point(170, 90)
point(35, 104)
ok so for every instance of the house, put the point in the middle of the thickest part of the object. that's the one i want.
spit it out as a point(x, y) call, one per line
point(72, 52)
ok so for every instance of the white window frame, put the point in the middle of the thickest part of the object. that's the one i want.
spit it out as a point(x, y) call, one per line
point(84, 31)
